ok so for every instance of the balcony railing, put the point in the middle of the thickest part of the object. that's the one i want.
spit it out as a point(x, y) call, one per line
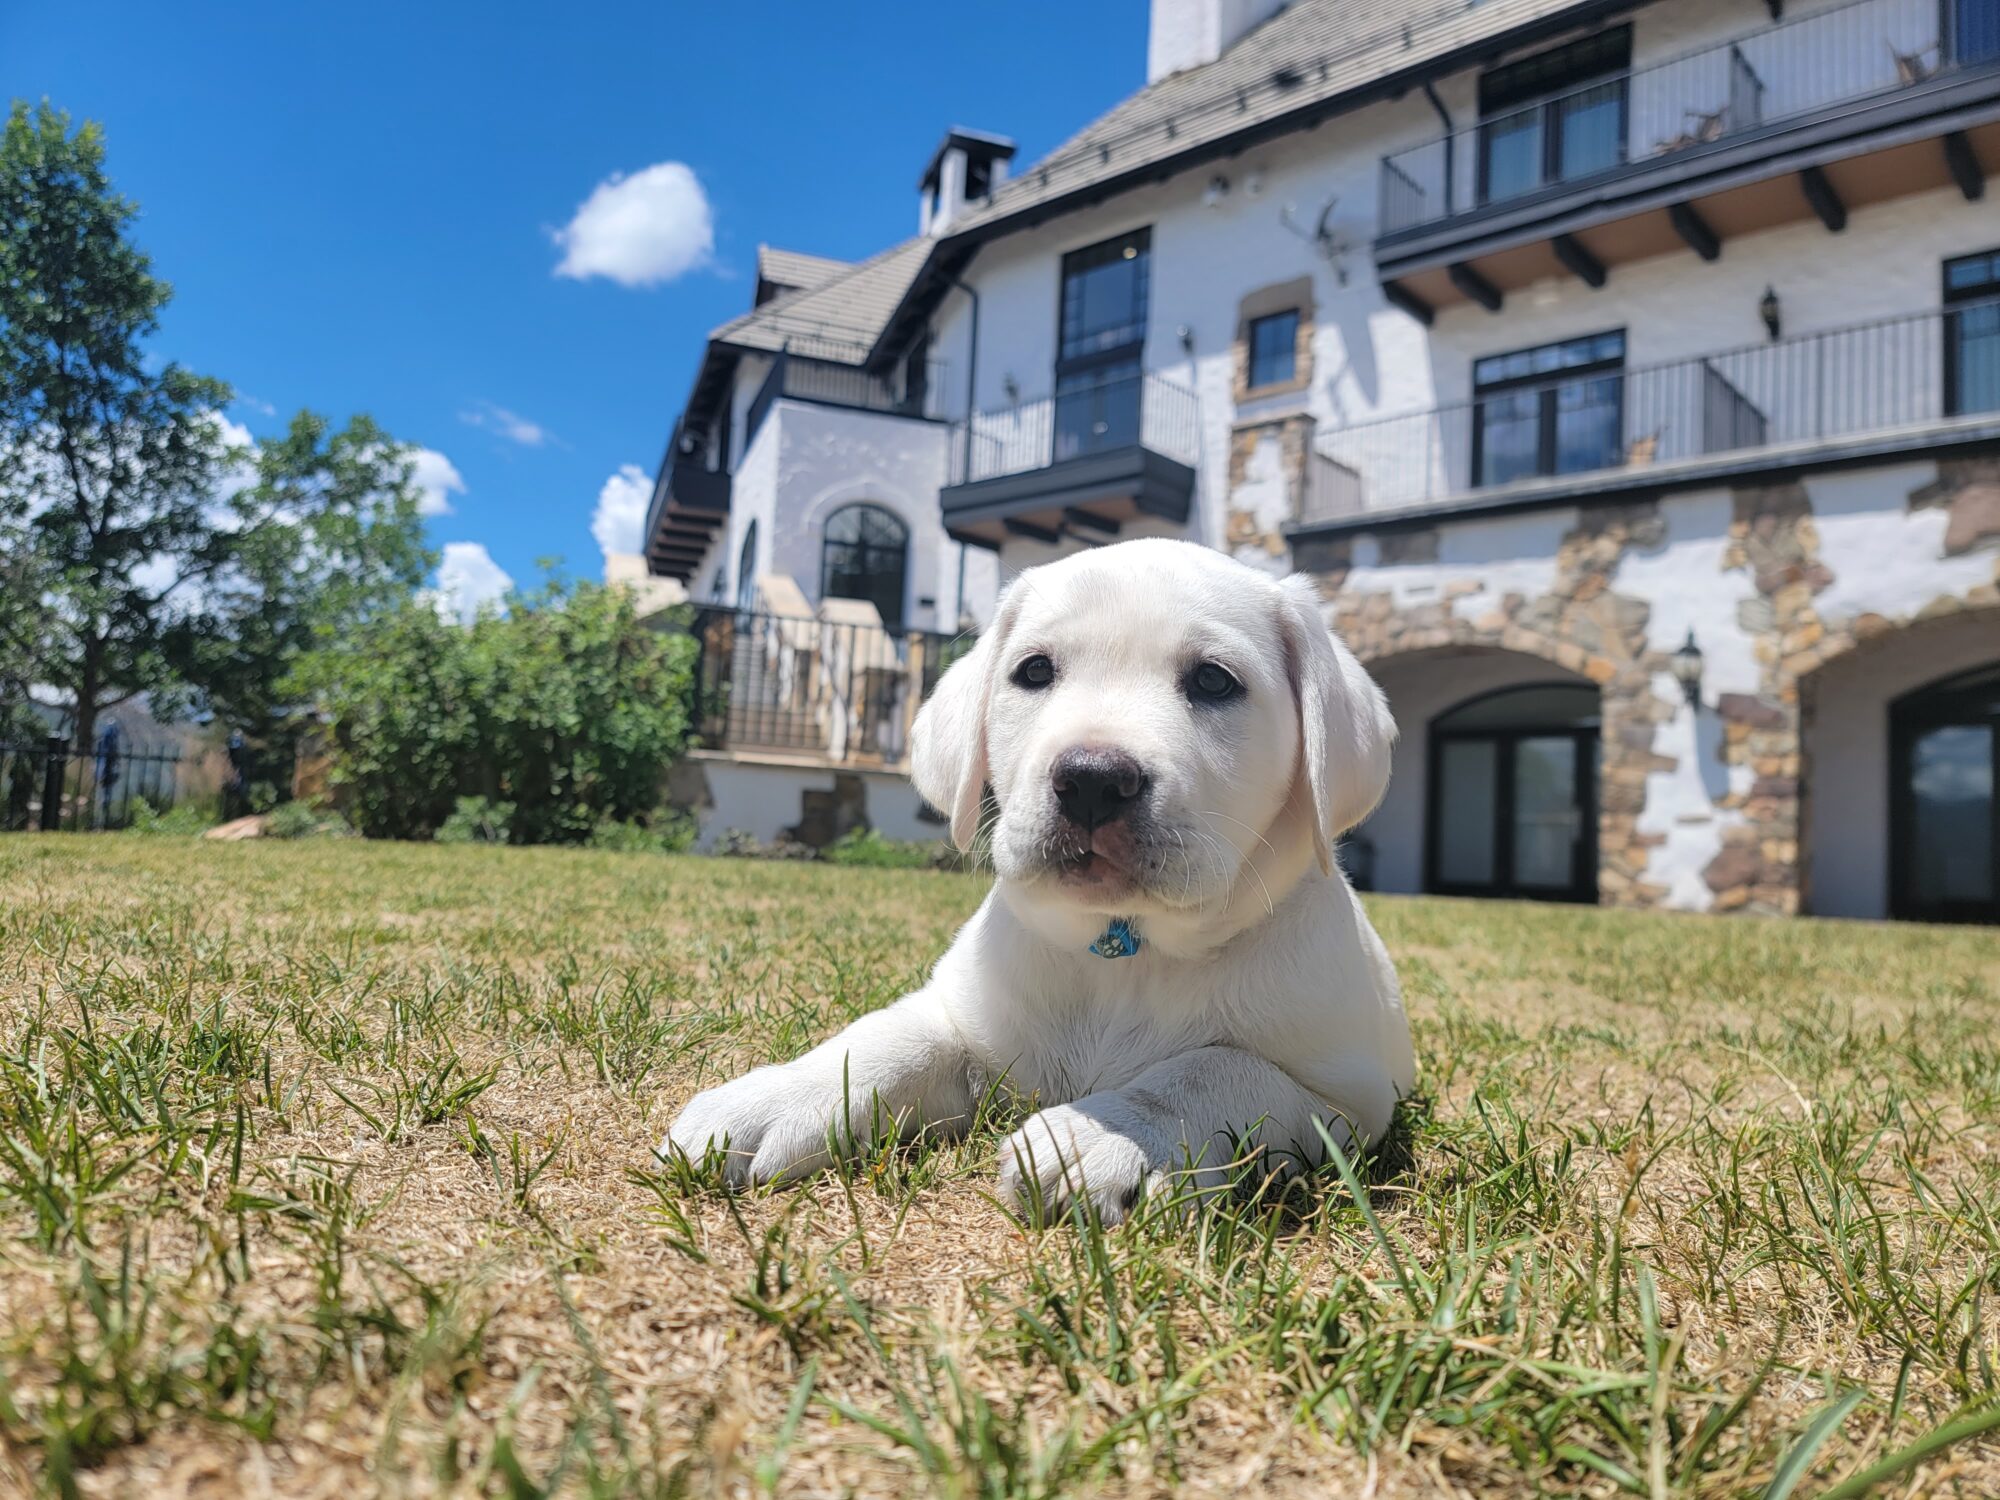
point(1646, 116)
point(825, 383)
point(1131, 411)
point(823, 689)
point(1913, 375)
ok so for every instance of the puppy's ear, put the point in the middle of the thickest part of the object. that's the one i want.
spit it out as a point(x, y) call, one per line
point(1345, 730)
point(948, 744)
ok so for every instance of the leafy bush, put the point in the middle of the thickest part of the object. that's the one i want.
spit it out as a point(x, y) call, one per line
point(566, 707)
point(475, 820)
point(670, 831)
point(864, 846)
point(185, 820)
point(301, 820)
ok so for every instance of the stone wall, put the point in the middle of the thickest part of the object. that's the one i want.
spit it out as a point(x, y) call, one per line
point(1585, 622)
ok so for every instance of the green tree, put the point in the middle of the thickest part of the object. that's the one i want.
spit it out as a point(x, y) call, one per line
point(565, 706)
point(322, 539)
point(111, 464)
point(24, 627)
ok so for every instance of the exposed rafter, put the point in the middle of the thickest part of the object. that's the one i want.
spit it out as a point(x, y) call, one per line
point(1964, 164)
point(1031, 531)
point(1577, 259)
point(1693, 228)
point(1824, 198)
point(1400, 296)
point(1083, 520)
point(1475, 286)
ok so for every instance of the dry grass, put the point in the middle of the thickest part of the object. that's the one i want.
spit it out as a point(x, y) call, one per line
point(324, 1170)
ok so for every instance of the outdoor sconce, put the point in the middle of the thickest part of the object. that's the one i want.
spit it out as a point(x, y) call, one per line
point(1010, 386)
point(1216, 191)
point(1686, 666)
point(1186, 335)
point(1767, 309)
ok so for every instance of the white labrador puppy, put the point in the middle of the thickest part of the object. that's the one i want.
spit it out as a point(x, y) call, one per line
point(1169, 963)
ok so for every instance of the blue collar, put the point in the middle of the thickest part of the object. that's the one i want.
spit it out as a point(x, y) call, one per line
point(1119, 940)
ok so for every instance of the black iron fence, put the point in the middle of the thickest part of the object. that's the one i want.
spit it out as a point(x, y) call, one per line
point(1919, 373)
point(1127, 411)
point(49, 785)
point(835, 690)
point(1793, 68)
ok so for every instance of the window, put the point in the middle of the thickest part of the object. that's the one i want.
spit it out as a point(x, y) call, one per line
point(865, 556)
point(1972, 334)
point(1974, 30)
point(746, 571)
point(1554, 117)
point(1556, 409)
point(1512, 809)
point(1944, 828)
point(1274, 349)
point(1103, 325)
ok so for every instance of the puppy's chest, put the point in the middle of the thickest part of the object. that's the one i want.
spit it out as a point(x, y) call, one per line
point(1065, 1045)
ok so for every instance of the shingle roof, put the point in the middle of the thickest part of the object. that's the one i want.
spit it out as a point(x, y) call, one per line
point(839, 319)
point(1311, 53)
point(796, 269)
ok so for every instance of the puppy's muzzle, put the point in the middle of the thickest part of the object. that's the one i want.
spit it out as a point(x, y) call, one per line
point(1096, 786)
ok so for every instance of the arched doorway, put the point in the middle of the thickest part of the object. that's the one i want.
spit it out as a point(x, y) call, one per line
point(1944, 823)
point(865, 555)
point(746, 572)
point(1511, 801)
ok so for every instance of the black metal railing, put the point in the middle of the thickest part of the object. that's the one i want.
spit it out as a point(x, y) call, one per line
point(801, 377)
point(1916, 374)
point(1130, 411)
point(831, 690)
point(49, 784)
point(1644, 116)
point(692, 475)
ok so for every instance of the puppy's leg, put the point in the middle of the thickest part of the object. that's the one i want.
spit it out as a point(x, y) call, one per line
point(1116, 1144)
point(894, 1072)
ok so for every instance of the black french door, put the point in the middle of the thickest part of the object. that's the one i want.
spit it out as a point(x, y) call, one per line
point(1513, 812)
point(1944, 821)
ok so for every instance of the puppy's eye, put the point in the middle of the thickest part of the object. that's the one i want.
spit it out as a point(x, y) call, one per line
point(1035, 672)
point(1209, 683)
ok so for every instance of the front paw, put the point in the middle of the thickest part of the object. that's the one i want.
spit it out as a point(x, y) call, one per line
point(1065, 1153)
point(766, 1126)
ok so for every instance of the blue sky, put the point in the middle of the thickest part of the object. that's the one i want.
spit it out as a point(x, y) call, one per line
point(359, 205)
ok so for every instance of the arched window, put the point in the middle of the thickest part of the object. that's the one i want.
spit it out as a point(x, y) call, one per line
point(746, 571)
point(866, 556)
point(1944, 822)
point(1513, 794)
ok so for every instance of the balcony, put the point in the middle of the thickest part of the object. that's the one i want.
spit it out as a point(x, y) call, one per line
point(1080, 463)
point(1812, 115)
point(826, 382)
point(1914, 384)
point(690, 501)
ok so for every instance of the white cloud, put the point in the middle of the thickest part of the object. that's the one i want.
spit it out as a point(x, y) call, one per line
point(467, 578)
point(510, 425)
point(620, 518)
point(640, 230)
point(437, 478)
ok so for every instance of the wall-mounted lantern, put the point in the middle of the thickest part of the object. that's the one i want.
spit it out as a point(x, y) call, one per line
point(1769, 311)
point(1686, 666)
point(1010, 387)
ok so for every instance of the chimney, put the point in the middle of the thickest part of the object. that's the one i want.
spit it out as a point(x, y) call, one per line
point(1191, 33)
point(963, 172)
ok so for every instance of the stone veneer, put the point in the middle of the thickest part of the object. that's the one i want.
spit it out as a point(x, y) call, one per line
point(1585, 625)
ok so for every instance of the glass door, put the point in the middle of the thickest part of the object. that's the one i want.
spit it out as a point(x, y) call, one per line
point(1945, 823)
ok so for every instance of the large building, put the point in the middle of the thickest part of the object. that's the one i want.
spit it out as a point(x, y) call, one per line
point(1628, 374)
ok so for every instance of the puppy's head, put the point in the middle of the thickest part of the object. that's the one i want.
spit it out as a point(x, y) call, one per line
point(1147, 716)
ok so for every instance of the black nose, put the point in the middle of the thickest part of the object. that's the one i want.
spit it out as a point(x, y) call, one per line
point(1097, 786)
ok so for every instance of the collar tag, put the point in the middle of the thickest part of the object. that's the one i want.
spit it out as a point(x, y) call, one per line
point(1118, 941)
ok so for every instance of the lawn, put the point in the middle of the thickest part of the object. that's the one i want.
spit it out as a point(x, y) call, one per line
point(324, 1170)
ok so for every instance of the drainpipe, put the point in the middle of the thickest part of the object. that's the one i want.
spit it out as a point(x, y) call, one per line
point(1450, 177)
point(971, 399)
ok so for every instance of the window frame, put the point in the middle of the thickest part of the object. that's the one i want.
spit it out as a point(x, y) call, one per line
point(746, 571)
point(827, 542)
point(1954, 299)
point(1548, 412)
point(1582, 888)
point(1614, 44)
point(1939, 704)
point(1290, 378)
point(1085, 378)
